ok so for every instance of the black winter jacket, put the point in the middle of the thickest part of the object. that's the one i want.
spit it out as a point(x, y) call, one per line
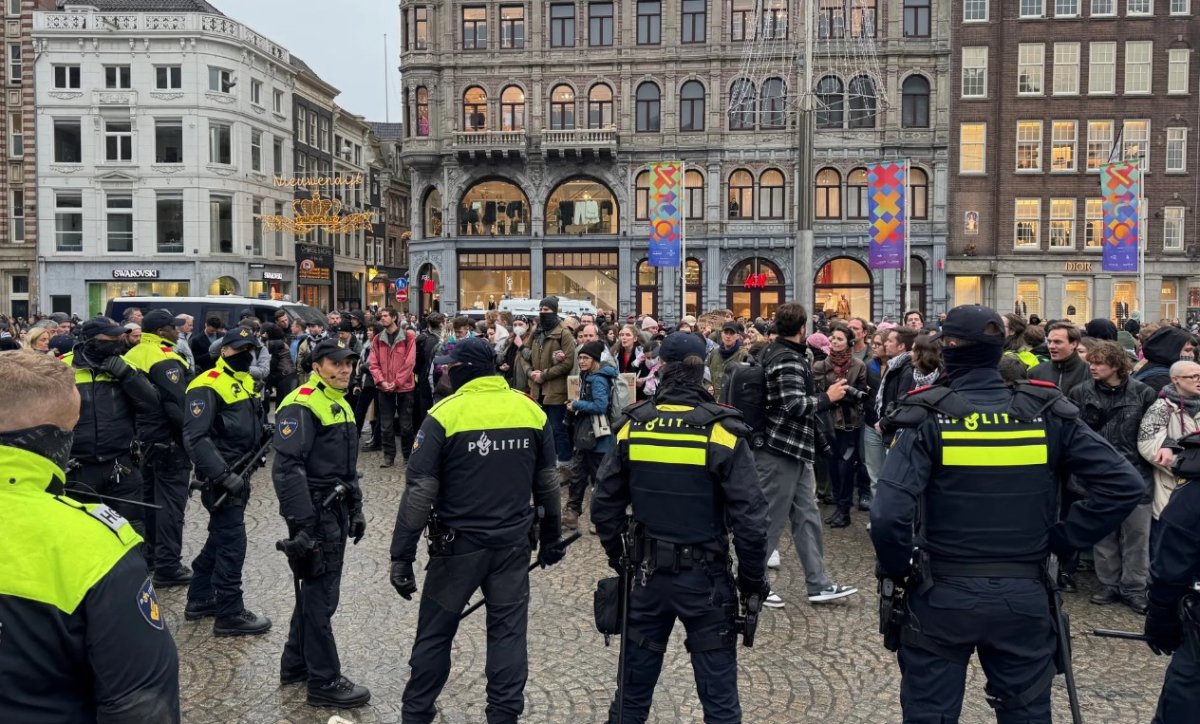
point(896, 384)
point(1116, 413)
point(1068, 374)
point(107, 410)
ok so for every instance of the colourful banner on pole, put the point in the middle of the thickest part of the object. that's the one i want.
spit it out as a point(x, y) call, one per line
point(886, 204)
point(666, 213)
point(1121, 185)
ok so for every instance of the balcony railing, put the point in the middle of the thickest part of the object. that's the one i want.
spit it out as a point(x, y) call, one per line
point(580, 138)
point(484, 140)
point(175, 23)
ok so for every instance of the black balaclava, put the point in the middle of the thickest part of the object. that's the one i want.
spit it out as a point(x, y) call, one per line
point(464, 373)
point(548, 320)
point(48, 441)
point(241, 361)
point(971, 357)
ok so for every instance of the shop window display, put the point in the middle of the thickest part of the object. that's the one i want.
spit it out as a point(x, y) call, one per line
point(843, 290)
point(486, 278)
point(755, 288)
point(494, 208)
point(586, 276)
point(433, 214)
point(1077, 301)
point(581, 206)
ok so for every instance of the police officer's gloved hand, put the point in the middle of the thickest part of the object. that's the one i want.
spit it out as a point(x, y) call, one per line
point(358, 526)
point(116, 367)
point(1164, 629)
point(233, 484)
point(748, 586)
point(403, 579)
point(551, 552)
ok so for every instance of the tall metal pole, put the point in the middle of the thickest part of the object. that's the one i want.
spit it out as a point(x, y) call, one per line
point(904, 306)
point(1143, 237)
point(803, 251)
point(683, 239)
point(387, 101)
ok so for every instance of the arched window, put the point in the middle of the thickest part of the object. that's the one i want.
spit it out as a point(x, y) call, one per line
point(562, 108)
point(741, 195)
point(914, 102)
point(774, 99)
point(581, 205)
point(856, 194)
point(693, 182)
point(600, 106)
point(641, 196)
point(918, 194)
point(842, 289)
point(691, 106)
point(771, 195)
point(829, 194)
point(862, 102)
point(495, 207)
point(741, 105)
point(475, 109)
point(646, 292)
point(831, 104)
point(648, 108)
point(695, 286)
point(422, 111)
point(512, 109)
point(755, 288)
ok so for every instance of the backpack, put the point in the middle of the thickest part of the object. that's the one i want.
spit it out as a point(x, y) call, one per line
point(745, 389)
point(620, 396)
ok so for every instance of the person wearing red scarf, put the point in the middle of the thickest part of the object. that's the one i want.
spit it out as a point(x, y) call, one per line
point(842, 364)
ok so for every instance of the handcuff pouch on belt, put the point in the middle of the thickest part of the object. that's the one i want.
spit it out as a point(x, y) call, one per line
point(439, 535)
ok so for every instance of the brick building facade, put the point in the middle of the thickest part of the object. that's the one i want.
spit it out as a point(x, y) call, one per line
point(18, 221)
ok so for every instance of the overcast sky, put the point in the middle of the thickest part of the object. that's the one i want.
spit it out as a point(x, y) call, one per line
point(342, 41)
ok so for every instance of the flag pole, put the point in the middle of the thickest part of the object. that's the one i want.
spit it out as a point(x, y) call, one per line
point(904, 205)
point(683, 237)
point(1142, 238)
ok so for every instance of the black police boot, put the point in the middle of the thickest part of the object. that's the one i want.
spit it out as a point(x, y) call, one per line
point(864, 502)
point(1066, 582)
point(196, 609)
point(246, 623)
point(341, 692)
point(840, 520)
point(166, 578)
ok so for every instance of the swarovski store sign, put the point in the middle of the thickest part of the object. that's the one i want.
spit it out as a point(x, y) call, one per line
point(135, 274)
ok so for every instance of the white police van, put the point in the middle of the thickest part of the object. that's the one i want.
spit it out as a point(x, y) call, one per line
point(229, 309)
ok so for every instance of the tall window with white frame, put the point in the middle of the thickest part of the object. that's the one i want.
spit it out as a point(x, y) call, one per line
point(1029, 146)
point(14, 64)
point(1033, 8)
point(1093, 224)
point(168, 77)
point(220, 223)
point(1178, 61)
point(1139, 55)
point(1181, 7)
point(16, 216)
point(256, 163)
point(279, 230)
point(1177, 149)
point(974, 72)
point(1062, 224)
point(1066, 69)
point(119, 222)
point(68, 221)
point(1103, 8)
point(118, 141)
point(168, 140)
point(1066, 8)
point(277, 155)
point(68, 141)
point(117, 77)
point(1173, 217)
point(16, 135)
point(256, 88)
point(1135, 142)
point(1064, 136)
point(975, 11)
point(1102, 68)
point(1135, 8)
point(256, 231)
point(1099, 144)
point(972, 148)
point(220, 80)
point(220, 143)
point(1027, 232)
point(1031, 68)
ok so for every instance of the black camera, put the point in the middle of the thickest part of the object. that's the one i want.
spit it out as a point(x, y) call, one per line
point(855, 394)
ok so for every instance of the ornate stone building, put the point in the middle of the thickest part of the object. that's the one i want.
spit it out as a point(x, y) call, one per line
point(531, 126)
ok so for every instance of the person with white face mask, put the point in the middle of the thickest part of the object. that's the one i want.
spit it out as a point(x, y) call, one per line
point(514, 348)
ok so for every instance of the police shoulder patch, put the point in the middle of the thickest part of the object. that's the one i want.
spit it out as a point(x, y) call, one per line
point(287, 427)
point(107, 516)
point(306, 390)
point(420, 438)
point(173, 374)
point(214, 374)
point(147, 603)
point(198, 408)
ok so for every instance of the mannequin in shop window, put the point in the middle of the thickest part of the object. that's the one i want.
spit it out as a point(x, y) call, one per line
point(1020, 308)
point(843, 308)
point(1122, 309)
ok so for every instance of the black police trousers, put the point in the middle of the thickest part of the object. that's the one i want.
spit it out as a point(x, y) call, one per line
point(166, 473)
point(1179, 702)
point(118, 478)
point(310, 643)
point(1007, 620)
point(450, 581)
point(217, 570)
point(703, 598)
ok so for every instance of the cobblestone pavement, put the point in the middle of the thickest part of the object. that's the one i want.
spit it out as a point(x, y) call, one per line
point(823, 663)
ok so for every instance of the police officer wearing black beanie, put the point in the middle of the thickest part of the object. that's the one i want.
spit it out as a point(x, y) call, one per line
point(683, 463)
point(984, 465)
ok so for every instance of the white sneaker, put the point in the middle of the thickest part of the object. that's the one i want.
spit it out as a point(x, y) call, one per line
point(773, 601)
point(773, 561)
point(832, 593)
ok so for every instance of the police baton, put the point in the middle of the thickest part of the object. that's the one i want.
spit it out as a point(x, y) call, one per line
point(479, 604)
point(251, 461)
point(1108, 633)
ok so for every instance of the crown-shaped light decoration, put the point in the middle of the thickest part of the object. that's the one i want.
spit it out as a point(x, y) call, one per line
point(314, 213)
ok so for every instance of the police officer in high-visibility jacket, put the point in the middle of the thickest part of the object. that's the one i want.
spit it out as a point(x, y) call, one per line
point(984, 466)
point(83, 640)
point(479, 458)
point(223, 425)
point(110, 393)
point(683, 463)
point(316, 479)
point(165, 464)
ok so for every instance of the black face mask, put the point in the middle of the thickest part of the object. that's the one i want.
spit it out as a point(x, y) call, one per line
point(96, 351)
point(462, 374)
point(241, 361)
point(548, 320)
point(973, 357)
point(48, 441)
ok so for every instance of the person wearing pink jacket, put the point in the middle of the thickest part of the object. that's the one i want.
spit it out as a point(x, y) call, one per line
point(393, 359)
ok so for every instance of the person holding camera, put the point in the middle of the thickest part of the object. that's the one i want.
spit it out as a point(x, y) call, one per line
point(221, 426)
point(847, 418)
